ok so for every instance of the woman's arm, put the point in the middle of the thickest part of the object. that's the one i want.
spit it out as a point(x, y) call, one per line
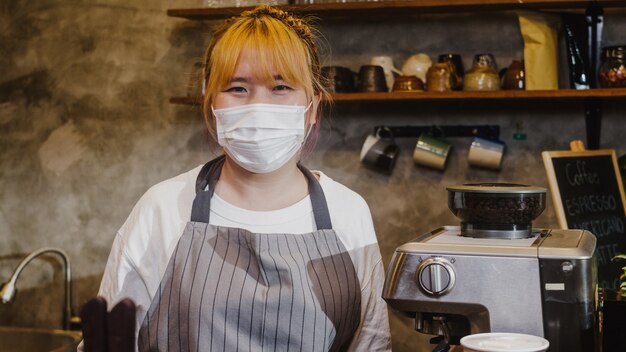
point(373, 331)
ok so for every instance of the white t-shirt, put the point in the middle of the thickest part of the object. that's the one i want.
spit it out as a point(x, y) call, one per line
point(143, 246)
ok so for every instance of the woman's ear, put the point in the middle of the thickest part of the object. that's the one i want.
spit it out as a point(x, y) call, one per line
point(312, 120)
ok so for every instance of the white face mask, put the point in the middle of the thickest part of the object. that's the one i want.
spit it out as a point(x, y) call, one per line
point(261, 137)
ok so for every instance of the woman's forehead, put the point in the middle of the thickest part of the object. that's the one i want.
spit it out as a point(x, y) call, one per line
point(249, 69)
point(247, 66)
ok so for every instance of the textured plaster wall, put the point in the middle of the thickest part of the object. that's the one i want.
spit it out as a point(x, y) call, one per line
point(86, 128)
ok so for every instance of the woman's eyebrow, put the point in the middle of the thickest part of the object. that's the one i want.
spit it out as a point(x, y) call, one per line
point(239, 79)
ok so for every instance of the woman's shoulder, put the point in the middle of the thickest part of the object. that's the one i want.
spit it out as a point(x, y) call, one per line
point(341, 196)
point(170, 189)
point(168, 200)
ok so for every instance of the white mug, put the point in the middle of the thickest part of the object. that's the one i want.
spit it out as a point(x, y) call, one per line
point(417, 65)
point(486, 153)
point(387, 64)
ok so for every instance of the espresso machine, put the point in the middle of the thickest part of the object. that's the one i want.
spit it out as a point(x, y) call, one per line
point(495, 273)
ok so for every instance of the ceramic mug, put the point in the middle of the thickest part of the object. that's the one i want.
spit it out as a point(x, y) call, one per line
point(379, 153)
point(372, 79)
point(417, 65)
point(338, 79)
point(431, 151)
point(386, 62)
point(486, 153)
point(407, 84)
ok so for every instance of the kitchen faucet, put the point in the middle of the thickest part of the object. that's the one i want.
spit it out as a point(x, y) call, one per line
point(8, 290)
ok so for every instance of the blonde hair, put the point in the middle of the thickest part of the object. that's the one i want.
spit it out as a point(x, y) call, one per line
point(279, 42)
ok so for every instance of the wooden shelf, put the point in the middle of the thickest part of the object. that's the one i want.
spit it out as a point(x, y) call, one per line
point(482, 95)
point(395, 8)
point(459, 96)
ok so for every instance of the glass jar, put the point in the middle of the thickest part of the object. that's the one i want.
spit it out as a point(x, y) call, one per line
point(613, 68)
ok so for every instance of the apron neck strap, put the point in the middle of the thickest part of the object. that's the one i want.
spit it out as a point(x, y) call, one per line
point(210, 173)
point(205, 186)
point(318, 201)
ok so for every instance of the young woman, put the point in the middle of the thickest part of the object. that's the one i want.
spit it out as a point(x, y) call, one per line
point(252, 251)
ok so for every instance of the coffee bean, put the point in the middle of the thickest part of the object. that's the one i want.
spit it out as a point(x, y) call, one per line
point(497, 209)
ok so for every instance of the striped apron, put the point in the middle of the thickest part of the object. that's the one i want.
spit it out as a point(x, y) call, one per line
point(227, 289)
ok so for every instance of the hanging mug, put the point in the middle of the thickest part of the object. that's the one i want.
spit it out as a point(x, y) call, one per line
point(380, 151)
point(431, 151)
point(486, 153)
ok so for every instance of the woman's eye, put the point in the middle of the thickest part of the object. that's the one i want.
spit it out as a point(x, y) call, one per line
point(236, 90)
point(282, 87)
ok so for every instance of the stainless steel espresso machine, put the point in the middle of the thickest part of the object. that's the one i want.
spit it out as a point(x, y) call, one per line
point(495, 273)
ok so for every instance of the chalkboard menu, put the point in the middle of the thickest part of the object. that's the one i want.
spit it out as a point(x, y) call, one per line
point(588, 194)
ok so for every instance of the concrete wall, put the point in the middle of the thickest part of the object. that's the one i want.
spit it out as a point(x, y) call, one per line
point(86, 128)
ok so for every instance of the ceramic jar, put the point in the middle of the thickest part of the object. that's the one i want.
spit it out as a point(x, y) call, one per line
point(457, 64)
point(513, 77)
point(440, 77)
point(483, 75)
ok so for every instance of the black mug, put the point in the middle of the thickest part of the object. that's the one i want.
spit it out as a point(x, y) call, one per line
point(338, 79)
point(380, 153)
point(372, 79)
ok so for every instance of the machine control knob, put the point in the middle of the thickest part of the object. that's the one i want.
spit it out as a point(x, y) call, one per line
point(435, 276)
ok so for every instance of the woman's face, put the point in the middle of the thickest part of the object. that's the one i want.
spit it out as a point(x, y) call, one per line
point(246, 88)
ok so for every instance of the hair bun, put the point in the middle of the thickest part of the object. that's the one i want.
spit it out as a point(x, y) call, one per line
point(300, 26)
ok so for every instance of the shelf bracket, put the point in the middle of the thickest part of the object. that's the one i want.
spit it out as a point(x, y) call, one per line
point(485, 131)
point(593, 106)
point(593, 122)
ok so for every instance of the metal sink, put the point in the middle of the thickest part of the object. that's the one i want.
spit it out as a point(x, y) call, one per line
point(18, 339)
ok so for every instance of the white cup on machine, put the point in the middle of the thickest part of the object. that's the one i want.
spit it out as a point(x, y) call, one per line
point(501, 341)
point(386, 62)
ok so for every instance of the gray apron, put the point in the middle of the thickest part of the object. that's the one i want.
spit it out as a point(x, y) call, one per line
point(227, 289)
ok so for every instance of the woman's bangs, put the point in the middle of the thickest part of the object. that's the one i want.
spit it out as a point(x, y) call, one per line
point(275, 51)
point(225, 56)
point(279, 52)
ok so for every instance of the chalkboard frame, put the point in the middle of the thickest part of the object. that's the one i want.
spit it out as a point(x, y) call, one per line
point(554, 187)
point(606, 248)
